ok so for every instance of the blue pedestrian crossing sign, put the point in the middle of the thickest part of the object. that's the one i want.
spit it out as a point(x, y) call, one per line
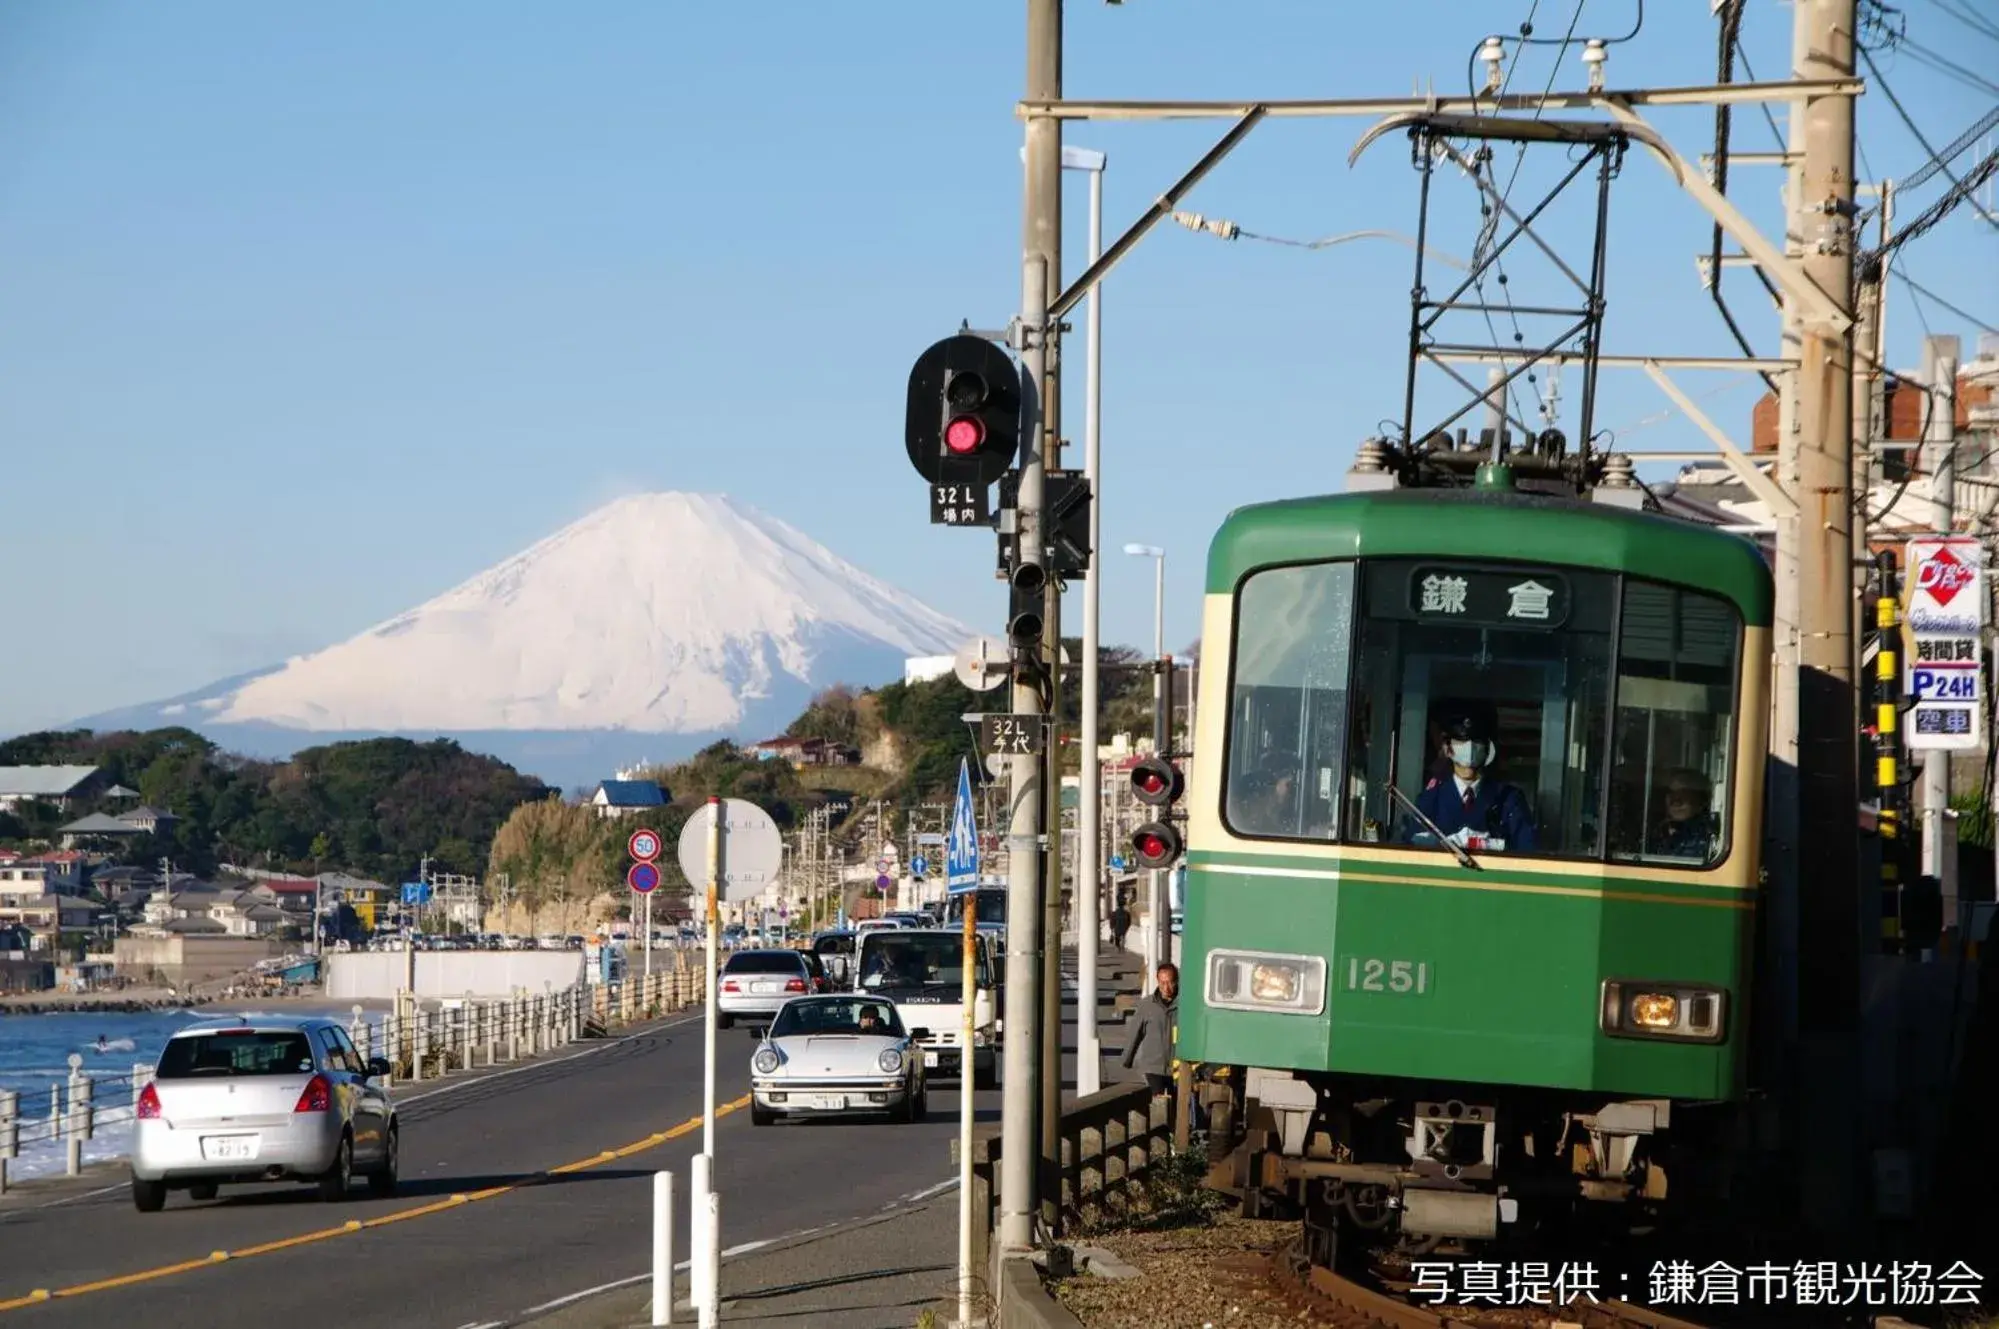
point(961, 847)
point(1117, 862)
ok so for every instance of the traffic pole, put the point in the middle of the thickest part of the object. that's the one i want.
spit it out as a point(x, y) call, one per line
point(709, 1257)
point(967, 1078)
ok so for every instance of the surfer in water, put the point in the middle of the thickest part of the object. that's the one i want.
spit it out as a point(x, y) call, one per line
point(102, 1045)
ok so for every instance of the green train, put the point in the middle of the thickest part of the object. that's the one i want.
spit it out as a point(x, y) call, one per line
point(1474, 826)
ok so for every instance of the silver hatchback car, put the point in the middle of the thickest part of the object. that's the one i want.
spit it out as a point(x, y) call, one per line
point(274, 1098)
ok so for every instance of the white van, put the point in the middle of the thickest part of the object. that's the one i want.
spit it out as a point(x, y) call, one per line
point(921, 971)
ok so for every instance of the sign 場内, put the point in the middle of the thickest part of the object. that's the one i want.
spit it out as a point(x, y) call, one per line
point(960, 505)
point(1499, 597)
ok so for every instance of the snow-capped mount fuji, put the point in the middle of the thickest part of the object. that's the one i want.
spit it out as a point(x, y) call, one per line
point(649, 627)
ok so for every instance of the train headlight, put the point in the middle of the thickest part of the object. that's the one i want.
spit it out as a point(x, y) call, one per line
point(1677, 1011)
point(1261, 981)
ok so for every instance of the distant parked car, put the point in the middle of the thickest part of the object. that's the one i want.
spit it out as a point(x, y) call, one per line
point(275, 1098)
point(756, 983)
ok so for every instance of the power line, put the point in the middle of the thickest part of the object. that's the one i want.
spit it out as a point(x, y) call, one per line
point(1969, 19)
point(1936, 159)
point(1934, 213)
point(1950, 152)
point(1918, 287)
point(1927, 56)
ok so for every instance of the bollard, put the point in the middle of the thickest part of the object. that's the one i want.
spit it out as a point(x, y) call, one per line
point(711, 1282)
point(697, 1242)
point(72, 1124)
point(514, 1027)
point(662, 1248)
point(10, 1132)
point(357, 1029)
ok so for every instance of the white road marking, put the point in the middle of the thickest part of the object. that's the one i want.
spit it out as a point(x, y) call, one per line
point(729, 1254)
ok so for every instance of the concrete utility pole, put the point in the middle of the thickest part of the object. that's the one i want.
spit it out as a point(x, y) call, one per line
point(1041, 269)
point(1940, 360)
point(1827, 837)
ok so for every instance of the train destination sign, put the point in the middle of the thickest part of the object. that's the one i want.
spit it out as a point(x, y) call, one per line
point(1488, 596)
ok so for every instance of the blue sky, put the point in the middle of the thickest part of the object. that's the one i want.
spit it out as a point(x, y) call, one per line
point(312, 312)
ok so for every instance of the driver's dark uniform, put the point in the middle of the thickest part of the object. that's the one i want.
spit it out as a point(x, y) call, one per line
point(1495, 808)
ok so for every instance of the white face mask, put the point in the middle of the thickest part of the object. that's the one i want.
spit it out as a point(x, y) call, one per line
point(1471, 754)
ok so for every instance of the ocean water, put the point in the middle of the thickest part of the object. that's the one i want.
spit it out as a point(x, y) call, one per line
point(34, 1056)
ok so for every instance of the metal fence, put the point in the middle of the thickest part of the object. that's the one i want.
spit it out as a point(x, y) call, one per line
point(419, 1044)
point(1110, 1141)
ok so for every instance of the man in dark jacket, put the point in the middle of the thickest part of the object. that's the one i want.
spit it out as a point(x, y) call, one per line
point(1155, 1030)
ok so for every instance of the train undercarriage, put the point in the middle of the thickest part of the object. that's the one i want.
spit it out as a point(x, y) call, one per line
point(1396, 1166)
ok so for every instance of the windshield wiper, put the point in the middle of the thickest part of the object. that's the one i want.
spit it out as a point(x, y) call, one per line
point(1462, 854)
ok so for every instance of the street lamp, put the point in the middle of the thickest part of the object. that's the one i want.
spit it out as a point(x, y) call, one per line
point(1089, 849)
point(1161, 931)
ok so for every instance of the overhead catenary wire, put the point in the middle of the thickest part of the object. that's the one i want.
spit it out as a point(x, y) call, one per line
point(1937, 161)
point(1934, 213)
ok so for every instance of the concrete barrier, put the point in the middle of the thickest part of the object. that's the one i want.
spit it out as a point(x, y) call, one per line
point(378, 975)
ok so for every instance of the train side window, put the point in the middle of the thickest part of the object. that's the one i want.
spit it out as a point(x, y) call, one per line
point(1288, 707)
point(1674, 729)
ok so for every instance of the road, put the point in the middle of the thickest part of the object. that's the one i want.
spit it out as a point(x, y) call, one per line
point(545, 1212)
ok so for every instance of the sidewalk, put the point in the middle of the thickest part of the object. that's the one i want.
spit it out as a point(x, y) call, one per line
point(875, 1273)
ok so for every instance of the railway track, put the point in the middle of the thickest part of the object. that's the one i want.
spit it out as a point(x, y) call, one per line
point(1333, 1300)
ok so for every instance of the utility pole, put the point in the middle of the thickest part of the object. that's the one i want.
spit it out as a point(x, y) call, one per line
point(1041, 268)
point(1828, 900)
point(1940, 359)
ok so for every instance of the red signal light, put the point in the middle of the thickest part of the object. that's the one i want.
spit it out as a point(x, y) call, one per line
point(1152, 846)
point(964, 435)
point(1149, 782)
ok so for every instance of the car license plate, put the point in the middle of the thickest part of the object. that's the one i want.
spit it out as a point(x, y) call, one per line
point(763, 987)
point(222, 1148)
point(831, 1102)
point(930, 1059)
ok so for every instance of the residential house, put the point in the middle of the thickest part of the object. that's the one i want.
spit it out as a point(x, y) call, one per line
point(150, 820)
point(45, 914)
point(58, 786)
point(623, 798)
point(208, 910)
point(806, 752)
point(63, 870)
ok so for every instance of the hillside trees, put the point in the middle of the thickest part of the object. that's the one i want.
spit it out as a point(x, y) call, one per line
point(374, 807)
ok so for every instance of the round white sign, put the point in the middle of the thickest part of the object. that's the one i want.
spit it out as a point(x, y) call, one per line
point(752, 849)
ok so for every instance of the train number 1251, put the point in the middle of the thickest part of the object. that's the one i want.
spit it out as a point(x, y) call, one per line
point(1410, 977)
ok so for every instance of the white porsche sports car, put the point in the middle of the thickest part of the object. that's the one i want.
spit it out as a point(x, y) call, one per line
point(834, 1055)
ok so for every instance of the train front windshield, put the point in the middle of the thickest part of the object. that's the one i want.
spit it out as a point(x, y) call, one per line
point(1606, 701)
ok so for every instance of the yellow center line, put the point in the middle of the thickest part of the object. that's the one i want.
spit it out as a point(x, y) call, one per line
point(456, 1201)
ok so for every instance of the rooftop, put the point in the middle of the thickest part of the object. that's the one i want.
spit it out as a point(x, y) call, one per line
point(42, 781)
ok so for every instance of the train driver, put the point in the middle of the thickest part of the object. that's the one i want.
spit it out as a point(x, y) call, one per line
point(1468, 799)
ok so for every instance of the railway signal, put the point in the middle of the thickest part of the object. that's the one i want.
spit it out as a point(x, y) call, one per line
point(962, 427)
point(1157, 783)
